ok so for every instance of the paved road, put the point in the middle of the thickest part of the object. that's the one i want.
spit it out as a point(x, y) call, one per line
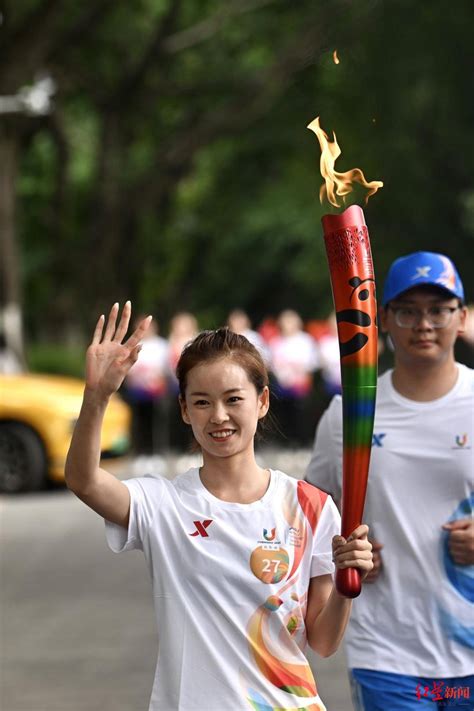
point(77, 625)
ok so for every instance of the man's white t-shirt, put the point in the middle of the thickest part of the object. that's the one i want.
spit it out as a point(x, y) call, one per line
point(417, 618)
point(230, 585)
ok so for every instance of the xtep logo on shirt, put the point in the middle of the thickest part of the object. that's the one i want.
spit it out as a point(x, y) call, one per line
point(461, 442)
point(269, 536)
point(201, 528)
point(377, 439)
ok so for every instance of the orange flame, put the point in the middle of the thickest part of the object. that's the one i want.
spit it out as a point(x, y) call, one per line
point(338, 184)
point(335, 57)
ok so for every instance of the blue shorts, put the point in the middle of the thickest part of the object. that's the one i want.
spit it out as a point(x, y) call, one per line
point(382, 691)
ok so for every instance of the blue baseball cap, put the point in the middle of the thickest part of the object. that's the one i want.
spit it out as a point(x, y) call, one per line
point(420, 269)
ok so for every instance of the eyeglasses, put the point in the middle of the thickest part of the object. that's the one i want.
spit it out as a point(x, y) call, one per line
point(437, 316)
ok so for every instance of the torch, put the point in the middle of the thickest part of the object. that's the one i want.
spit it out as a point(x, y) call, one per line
point(353, 286)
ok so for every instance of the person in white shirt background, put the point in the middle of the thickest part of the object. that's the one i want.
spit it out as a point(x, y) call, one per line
point(239, 322)
point(183, 328)
point(241, 557)
point(410, 640)
point(146, 389)
point(330, 362)
point(293, 359)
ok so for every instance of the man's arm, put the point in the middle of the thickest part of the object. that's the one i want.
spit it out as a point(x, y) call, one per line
point(325, 467)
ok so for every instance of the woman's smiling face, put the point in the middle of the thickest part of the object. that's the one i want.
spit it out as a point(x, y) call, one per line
point(223, 407)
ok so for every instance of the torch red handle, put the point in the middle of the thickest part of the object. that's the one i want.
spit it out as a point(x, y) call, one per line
point(348, 582)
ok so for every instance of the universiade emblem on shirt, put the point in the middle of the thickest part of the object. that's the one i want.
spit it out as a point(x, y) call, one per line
point(461, 442)
point(270, 539)
point(269, 535)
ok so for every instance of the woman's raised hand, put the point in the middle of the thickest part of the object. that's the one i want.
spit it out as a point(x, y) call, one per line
point(108, 359)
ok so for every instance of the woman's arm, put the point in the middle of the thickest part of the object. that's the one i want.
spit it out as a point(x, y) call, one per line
point(328, 612)
point(108, 361)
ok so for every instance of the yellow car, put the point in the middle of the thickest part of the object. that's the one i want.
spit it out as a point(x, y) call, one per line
point(37, 417)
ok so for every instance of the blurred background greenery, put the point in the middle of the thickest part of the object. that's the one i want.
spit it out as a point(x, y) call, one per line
point(173, 167)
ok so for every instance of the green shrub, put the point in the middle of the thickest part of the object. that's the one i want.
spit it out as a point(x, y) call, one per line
point(55, 358)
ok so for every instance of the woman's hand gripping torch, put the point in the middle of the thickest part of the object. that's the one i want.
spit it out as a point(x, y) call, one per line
point(352, 279)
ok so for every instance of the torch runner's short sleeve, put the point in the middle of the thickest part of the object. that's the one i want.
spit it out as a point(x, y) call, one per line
point(329, 525)
point(145, 497)
point(325, 467)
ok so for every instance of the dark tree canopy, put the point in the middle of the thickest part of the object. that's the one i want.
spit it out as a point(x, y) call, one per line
point(175, 168)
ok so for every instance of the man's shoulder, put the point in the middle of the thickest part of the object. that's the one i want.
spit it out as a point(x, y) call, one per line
point(384, 389)
point(466, 378)
point(332, 416)
point(335, 406)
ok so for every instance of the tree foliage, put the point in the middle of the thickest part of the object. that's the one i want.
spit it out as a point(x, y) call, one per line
point(176, 169)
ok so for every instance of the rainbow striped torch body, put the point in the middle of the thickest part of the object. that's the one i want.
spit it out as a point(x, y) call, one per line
point(352, 279)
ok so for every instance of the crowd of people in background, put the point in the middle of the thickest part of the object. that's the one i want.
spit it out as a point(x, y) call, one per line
point(303, 359)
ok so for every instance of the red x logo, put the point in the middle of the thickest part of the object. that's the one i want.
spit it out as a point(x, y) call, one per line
point(201, 528)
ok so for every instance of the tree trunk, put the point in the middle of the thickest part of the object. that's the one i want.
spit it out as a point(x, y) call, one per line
point(10, 286)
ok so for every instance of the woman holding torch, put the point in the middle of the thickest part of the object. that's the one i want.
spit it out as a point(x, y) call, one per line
point(241, 557)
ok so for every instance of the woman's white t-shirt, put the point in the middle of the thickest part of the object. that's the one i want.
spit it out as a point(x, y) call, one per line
point(230, 585)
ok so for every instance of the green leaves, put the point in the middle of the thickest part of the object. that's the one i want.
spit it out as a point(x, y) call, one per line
point(176, 168)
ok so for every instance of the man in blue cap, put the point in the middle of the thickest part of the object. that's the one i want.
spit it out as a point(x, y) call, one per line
point(410, 640)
